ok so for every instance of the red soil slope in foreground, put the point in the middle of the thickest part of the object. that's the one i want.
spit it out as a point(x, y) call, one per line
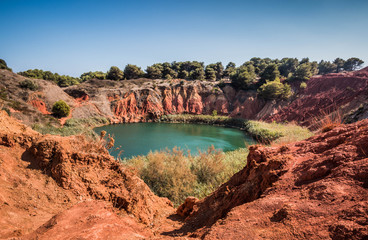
point(43, 175)
point(313, 189)
point(66, 188)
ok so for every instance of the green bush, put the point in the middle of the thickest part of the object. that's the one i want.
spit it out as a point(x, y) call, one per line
point(60, 109)
point(275, 90)
point(303, 85)
point(29, 84)
point(174, 175)
point(3, 65)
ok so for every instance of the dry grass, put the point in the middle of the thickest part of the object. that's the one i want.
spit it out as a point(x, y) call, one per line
point(328, 121)
point(175, 175)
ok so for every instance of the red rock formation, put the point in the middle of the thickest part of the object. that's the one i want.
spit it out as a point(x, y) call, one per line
point(90, 220)
point(40, 176)
point(39, 105)
point(313, 189)
point(323, 95)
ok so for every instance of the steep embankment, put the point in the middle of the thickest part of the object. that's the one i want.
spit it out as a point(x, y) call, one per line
point(144, 100)
point(43, 175)
point(128, 102)
point(313, 189)
point(325, 94)
point(67, 187)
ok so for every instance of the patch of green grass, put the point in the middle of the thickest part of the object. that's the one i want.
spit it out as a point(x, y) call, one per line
point(72, 127)
point(261, 131)
point(278, 133)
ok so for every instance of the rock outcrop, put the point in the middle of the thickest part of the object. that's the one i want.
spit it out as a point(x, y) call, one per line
point(313, 189)
point(43, 175)
point(143, 100)
point(325, 94)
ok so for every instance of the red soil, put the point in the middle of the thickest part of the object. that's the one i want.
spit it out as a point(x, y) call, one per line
point(323, 95)
point(313, 189)
point(39, 105)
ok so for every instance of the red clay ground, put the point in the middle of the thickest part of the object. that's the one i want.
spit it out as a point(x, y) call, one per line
point(55, 187)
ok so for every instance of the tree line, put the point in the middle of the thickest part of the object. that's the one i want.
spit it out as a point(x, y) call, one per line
point(251, 74)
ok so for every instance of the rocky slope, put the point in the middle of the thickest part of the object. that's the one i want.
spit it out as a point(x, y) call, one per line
point(41, 176)
point(314, 189)
point(66, 187)
point(145, 100)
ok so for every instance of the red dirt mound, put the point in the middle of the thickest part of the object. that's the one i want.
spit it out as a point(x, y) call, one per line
point(78, 222)
point(313, 189)
point(41, 176)
point(326, 94)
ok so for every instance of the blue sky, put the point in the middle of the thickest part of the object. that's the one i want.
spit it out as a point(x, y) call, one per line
point(75, 36)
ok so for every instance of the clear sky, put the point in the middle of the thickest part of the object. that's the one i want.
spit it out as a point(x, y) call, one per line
point(75, 36)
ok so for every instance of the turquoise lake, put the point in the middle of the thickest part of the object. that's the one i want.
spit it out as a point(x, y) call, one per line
point(141, 138)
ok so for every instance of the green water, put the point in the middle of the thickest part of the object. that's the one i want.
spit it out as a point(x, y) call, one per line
point(141, 138)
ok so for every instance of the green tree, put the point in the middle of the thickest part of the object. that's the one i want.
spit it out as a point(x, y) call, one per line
point(29, 84)
point(270, 73)
point(60, 109)
point(61, 80)
point(93, 75)
point(303, 72)
point(275, 90)
point(132, 71)
point(325, 67)
point(184, 74)
point(210, 74)
point(339, 64)
point(197, 74)
point(3, 65)
point(115, 74)
point(353, 64)
point(244, 77)
point(288, 66)
point(167, 70)
point(229, 70)
point(155, 71)
point(218, 68)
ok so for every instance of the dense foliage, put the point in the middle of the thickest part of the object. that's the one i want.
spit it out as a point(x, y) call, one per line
point(275, 90)
point(3, 65)
point(132, 72)
point(115, 73)
point(60, 109)
point(61, 80)
point(176, 175)
point(93, 75)
point(29, 84)
point(250, 75)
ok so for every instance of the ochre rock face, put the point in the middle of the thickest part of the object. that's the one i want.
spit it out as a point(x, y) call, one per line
point(313, 189)
point(90, 220)
point(42, 175)
point(323, 95)
point(39, 105)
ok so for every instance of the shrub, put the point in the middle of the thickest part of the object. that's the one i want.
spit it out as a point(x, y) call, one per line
point(167, 173)
point(29, 84)
point(3, 65)
point(174, 175)
point(115, 73)
point(60, 109)
point(274, 90)
point(303, 85)
point(214, 113)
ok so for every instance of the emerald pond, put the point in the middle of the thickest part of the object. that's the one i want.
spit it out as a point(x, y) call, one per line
point(141, 138)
